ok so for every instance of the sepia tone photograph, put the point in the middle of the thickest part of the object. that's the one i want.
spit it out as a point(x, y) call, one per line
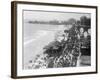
point(54, 39)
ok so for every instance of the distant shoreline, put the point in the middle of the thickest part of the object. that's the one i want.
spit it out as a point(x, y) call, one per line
point(50, 22)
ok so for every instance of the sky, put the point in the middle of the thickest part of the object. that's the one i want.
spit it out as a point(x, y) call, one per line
point(47, 16)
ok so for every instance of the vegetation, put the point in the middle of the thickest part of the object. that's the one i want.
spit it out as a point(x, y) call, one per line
point(65, 52)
